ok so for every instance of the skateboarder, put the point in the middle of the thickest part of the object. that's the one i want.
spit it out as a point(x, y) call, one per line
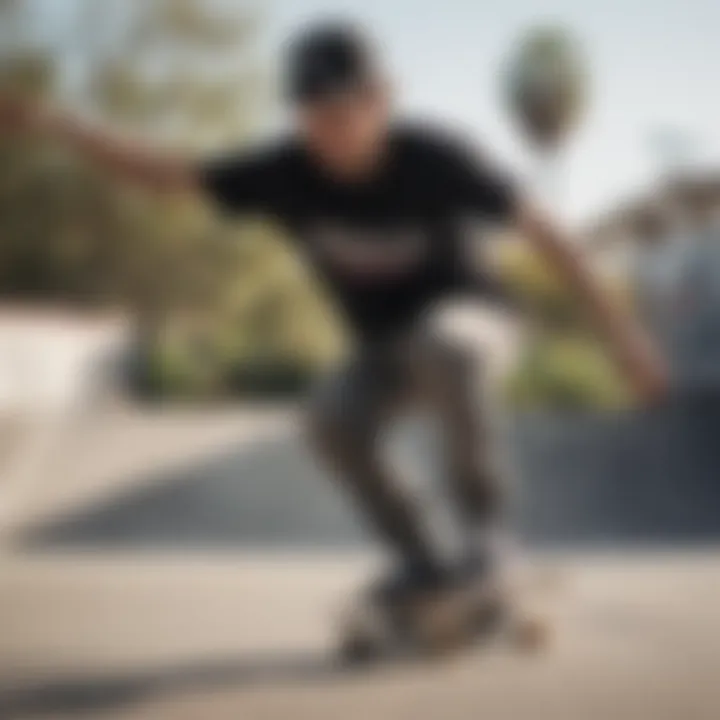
point(382, 209)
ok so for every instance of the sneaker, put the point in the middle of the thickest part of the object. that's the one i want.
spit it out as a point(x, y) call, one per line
point(410, 581)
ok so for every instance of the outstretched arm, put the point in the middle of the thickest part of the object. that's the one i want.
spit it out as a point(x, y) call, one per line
point(119, 157)
point(627, 341)
point(482, 187)
point(247, 182)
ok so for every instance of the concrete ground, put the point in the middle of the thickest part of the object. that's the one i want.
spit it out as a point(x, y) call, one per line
point(115, 613)
point(251, 637)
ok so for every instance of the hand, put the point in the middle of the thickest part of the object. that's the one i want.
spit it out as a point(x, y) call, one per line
point(651, 381)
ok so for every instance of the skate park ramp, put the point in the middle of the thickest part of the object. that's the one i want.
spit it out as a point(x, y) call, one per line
point(638, 479)
point(138, 632)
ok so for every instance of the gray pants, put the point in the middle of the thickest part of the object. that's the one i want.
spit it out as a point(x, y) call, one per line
point(448, 365)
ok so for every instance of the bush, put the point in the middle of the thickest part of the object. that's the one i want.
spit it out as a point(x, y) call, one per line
point(566, 373)
point(542, 293)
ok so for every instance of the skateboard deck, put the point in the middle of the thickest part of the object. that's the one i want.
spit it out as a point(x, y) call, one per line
point(429, 627)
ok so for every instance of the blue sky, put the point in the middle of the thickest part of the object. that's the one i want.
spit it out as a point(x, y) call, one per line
point(654, 65)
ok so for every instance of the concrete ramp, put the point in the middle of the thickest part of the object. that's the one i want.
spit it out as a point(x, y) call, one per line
point(628, 479)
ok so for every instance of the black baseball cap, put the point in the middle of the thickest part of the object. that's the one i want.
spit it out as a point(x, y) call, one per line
point(326, 60)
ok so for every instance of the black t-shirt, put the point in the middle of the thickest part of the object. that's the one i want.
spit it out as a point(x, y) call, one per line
point(386, 247)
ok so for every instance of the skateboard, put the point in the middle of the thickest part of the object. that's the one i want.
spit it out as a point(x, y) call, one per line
point(441, 624)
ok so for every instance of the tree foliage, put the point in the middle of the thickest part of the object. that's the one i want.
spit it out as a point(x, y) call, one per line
point(564, 365)
point(177, 74)
point(547, 85)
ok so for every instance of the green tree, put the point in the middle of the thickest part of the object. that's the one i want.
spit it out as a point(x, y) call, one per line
point(564, 366)
point(181, 74)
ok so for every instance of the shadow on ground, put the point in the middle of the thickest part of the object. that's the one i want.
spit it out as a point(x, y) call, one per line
point(87, 697)
point(269, 494)
point(648, 479)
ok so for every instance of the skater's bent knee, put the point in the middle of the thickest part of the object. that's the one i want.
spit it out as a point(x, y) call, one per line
point(333, 435)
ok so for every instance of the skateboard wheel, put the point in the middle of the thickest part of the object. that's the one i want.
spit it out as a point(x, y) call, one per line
point(531, 634)
point(357, 651)
point(364, 635)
